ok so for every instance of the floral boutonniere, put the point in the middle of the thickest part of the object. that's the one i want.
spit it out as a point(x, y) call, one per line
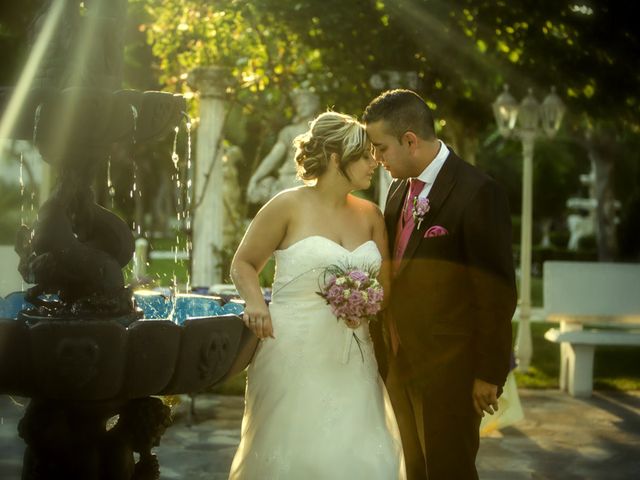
point(421, 207)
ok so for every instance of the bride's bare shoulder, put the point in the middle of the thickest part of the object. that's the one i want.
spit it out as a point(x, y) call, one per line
point(364, 206)
point(287, 199)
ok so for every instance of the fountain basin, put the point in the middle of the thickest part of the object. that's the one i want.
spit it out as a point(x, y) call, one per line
point(102, 360)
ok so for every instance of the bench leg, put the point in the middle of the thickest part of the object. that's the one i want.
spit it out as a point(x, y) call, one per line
point(578, 370)
point(565, 353)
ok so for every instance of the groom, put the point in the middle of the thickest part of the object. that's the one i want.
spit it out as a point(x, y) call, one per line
point(452, 292)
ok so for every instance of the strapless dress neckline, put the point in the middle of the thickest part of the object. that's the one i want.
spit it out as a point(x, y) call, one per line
point(310, 237)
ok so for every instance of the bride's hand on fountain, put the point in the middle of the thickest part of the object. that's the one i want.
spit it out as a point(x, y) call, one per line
point(258, 320)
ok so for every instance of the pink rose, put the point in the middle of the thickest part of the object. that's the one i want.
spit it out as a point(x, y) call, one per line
point(357, 275)
point(334, 292)
point(421, 206)
point(375, 295)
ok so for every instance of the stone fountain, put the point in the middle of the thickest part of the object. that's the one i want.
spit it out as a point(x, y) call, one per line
point(82, 351)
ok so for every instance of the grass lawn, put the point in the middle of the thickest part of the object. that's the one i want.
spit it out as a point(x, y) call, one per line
point(233, 386)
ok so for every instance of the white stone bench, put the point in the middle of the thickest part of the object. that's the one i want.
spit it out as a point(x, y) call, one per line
point(596, 304)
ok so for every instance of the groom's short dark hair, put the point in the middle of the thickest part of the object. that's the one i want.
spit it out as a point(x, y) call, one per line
point(402, 110)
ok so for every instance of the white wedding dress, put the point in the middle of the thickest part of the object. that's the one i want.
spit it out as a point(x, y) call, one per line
point(315, 406)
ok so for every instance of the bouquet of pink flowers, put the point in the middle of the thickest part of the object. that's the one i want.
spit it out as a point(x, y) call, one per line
point(354, 294)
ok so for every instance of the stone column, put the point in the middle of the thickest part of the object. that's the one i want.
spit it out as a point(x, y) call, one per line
point(208, 211)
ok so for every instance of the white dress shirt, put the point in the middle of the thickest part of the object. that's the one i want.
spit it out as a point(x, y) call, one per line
point(429, 174)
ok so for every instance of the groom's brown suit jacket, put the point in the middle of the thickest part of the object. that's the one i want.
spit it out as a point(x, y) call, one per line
point(454, 295)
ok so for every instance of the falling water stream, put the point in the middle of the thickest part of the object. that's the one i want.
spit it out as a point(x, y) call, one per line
point(29, 217)
point(183, 198)
point(21, 189)
point(30, 190)
point(182, 179)
point(188, 240)
point(175, 158)
point(33, 188)
point(134, 191)
point(111, 189)
point(22, 222)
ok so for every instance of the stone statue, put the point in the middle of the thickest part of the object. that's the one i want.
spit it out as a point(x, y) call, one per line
point(582, 222)
point(262, 185)
point(580, 226)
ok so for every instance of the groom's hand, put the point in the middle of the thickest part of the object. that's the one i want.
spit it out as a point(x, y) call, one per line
point(485, 397)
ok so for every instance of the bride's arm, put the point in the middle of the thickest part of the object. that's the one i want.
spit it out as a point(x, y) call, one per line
point(261, 239)
point(381, 335)
point(382, 241)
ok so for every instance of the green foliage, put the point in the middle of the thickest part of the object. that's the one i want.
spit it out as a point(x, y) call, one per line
point(233, 386)
point(559, 239)
point(588, 242)
point(265, 58)
point(545, 363)
point(556, 173)
point(15, 18)
point(267, 274)
point(562, 44)
point(462, 51)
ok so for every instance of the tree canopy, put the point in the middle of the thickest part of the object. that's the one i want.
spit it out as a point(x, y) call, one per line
point(461, 52)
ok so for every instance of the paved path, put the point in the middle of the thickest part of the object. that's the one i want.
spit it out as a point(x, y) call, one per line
point(561, 438)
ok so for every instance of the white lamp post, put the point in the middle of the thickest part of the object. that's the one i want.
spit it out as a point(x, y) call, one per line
point(527, 121)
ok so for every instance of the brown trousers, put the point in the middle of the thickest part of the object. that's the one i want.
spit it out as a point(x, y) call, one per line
point(438, 444)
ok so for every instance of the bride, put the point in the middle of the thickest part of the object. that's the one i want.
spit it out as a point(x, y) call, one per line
point(315, 406)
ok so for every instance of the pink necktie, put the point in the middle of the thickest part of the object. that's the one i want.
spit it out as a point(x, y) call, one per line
point(402, 239)
point(405, 227)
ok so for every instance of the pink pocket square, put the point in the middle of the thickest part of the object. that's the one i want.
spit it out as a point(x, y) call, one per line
point(436, 231)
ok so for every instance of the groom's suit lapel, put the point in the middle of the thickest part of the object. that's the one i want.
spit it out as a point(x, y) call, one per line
point(445, 181)
point(393, 208)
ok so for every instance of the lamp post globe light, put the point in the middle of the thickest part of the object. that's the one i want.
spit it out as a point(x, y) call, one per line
point(526, 121)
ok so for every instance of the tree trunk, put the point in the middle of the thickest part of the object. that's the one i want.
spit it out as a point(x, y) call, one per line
point(601, 152)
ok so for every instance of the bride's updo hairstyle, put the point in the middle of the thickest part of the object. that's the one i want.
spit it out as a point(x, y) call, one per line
point(329, 132)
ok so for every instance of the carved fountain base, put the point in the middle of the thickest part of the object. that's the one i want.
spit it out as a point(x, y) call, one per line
point(92, 440)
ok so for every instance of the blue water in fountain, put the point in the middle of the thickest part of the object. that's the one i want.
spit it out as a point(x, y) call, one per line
point(155, 305)
point(182, 306)
point(12, 304)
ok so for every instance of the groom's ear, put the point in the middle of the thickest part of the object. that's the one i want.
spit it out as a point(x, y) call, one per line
point(410, 139)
